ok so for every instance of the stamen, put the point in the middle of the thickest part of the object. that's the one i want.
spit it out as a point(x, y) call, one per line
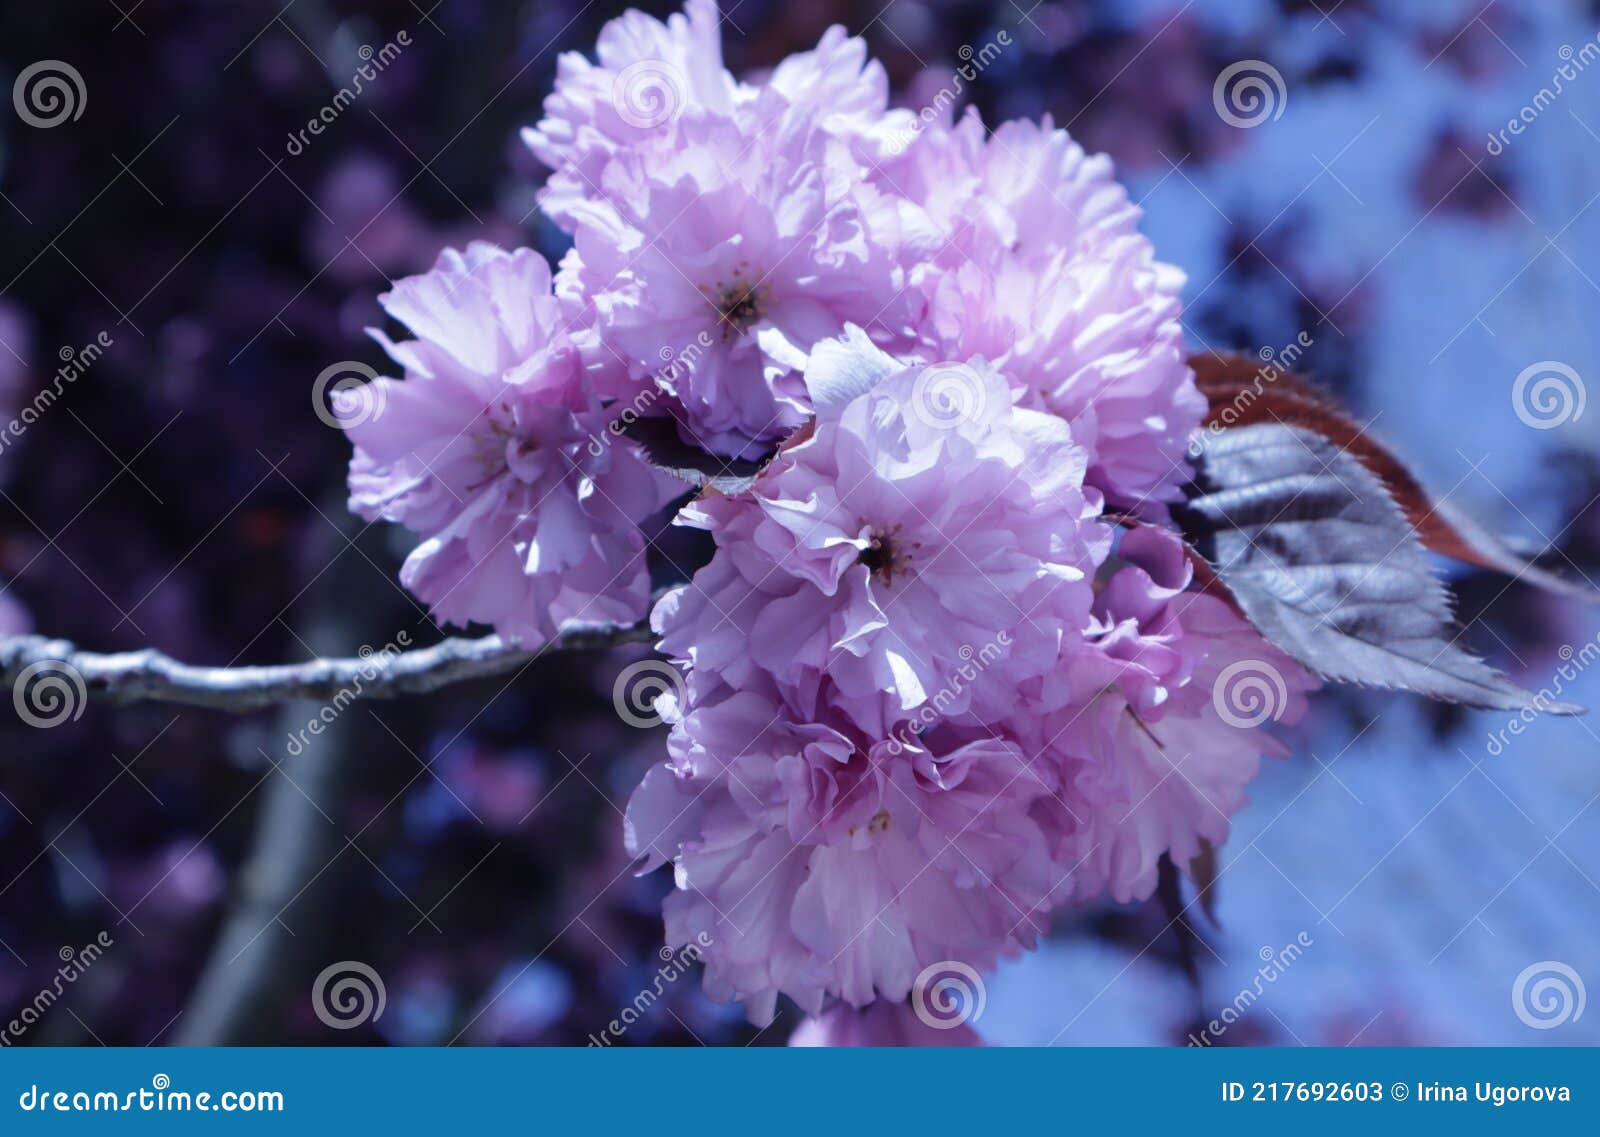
point(887, 553)
point(739, 302)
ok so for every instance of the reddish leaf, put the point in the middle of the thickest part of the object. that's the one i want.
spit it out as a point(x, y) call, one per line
point(1240, 396)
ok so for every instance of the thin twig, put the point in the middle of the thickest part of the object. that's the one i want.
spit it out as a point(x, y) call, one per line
point(149, 675)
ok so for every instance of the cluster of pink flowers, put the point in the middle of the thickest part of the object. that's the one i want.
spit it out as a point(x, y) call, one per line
point(948, 668)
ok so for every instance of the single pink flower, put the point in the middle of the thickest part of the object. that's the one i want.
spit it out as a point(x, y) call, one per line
point(817, 860)
point(1046, 274)
point(926, 545)
point(494, 451)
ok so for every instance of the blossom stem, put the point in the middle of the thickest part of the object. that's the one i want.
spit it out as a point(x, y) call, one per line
point(152, 676)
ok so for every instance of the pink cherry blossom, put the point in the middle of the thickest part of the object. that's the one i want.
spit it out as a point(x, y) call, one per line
point(818, 860)
point(1047, 275)
point(756, 249)
point(494, 452)
point(647, 72)
point(1157, 729)
point(925, 531)
point(933, 694)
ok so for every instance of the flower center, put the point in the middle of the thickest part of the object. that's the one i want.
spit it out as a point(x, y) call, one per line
point(887, 553)
point(878, 824)
point(739, 304)
point(489, 449)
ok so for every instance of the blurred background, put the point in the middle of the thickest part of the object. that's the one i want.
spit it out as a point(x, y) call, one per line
point(182, 493)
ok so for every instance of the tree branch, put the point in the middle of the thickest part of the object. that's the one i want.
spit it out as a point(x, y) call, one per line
point(149, 675)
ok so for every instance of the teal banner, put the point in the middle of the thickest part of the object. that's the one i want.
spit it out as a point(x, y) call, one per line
point(772, 1091)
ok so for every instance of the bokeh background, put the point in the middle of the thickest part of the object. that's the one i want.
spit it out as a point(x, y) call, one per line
point(467, 846)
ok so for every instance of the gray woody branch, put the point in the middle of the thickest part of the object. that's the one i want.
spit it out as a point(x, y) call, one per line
point(149, 675)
